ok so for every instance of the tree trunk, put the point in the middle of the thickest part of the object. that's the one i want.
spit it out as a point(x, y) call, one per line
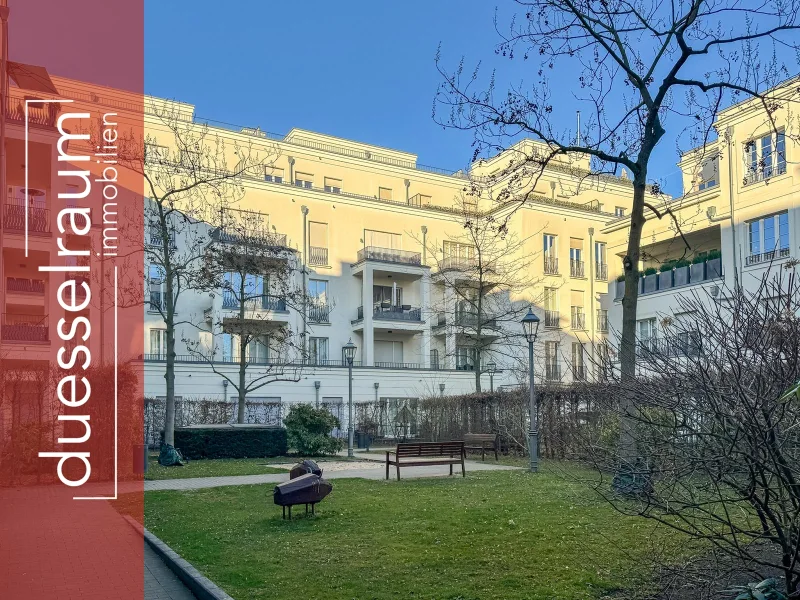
point(169, 377)
point(243, 339)
point(627, 441)
point(478, 363)
point(242, 390)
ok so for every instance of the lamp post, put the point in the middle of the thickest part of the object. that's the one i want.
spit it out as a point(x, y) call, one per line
point(316, 392)
point(349, 355)
point(491, 368)
point(441, 389)
point(530, 324)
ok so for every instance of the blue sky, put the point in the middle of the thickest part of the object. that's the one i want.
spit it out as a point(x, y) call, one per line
point(358, 69)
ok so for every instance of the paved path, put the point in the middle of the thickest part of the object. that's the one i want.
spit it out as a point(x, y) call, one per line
point(159, 582)
point(370, 473)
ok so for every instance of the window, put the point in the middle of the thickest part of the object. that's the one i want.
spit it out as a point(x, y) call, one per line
point(383, 239)
point(387, 297)
point(273, 174)
point(768, 238)
point(384, 193)
point(304, 180)
point(552, 370)
point(550, 248)
point(158, 343)
point(458, 255)
point(318, 290)
point(647, 333)
point(388, 353)
point(236, 290)
point(600, 253)
point(578, 364)
point(318, 309)
point(466, 358)
point(578, 317)
point(765, 157)
point(258, 351)
point(317, 244)
point(153, 153)
point(619, 211)
point(230, 347)
point(333, 185)
point(576, 267)
point(318, 350)
point(156, 275)
point(419, 200)
point(551, 316)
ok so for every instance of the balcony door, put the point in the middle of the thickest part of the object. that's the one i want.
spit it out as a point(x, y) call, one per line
point(388, 352)
point(385, 297)
point(383, 239)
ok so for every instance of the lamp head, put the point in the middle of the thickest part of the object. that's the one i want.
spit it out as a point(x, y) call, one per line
point(530, 323)
point(491, 367)
point(349, 352)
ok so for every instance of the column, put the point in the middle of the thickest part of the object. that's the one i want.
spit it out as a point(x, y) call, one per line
point(368, 351)
point(425, 305)
point(450, 330)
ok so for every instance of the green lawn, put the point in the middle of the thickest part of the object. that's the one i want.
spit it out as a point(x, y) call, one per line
point(223, 467)
point(503, 534)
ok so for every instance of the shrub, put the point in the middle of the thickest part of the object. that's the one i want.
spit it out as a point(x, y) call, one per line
point(712, 254)
point(650, 271)
point(308, 430)
point(230, 441)
point(667, 266)
point(681, 262)
point(700, 258)
point(621, 278)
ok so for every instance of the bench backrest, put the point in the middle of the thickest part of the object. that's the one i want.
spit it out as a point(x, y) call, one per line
point(429, 449)
point(472, 438)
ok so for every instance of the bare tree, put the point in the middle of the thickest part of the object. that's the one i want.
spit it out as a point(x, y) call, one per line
point(190, 174)
point(636, 65)
point(257, 272)
point(717, 425)
point(484, 272)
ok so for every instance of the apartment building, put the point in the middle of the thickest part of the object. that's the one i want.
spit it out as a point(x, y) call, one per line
point(739, 212)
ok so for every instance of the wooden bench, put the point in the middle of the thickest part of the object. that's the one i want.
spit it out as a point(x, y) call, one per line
point(423, 454)
point(482, 442)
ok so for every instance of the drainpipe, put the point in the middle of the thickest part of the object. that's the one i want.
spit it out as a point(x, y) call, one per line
point(376, 393)
point(225, 390)
point(408, 184)
point(593, 309)
point(304, 210)
point(424, 245)
point(729, 139)
point(291, 170)
point(316, 392)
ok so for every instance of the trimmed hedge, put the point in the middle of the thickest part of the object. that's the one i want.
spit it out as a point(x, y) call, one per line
point(230, 441)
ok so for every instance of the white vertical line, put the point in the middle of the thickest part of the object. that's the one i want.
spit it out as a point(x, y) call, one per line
point(25, 201)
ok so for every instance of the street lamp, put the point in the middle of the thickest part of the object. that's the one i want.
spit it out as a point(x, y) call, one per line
point(530, 324)
point(491, 368)
point(349, 355)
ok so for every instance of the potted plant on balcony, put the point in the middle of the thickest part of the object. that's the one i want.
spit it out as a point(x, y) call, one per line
point(680, 275)
point(697, 270)
point(714, 264)
point(665, 272)
point(650, 280)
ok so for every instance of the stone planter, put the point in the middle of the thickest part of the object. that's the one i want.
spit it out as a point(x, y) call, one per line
point(697, 272)
point(714, 268)
point(665, 280)
point(650, 284)
point(680, 276)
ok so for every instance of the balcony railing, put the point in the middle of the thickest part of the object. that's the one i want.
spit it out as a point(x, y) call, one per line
point(254, 236)
point(754, 259)
point(458, 263)
point(550, 265)
point(317, 256)
point(264, 302)
point(25, 286)
point(319, 313)
point(38, 218)
point(552, 372)
point(601, 271)
point(552, 318)
point(473, 320)
point(396, 365)
point(578, 320)
point(25, 328)
point(390, 255)
point(602, 320)
point(673, 346)
point(41, 114)
point(576, 268)
point(394, 313)
point(765, 172)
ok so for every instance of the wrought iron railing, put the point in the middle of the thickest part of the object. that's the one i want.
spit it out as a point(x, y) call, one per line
point(766, 256)
point(551, 265)
point(601, 271)
point(38, 218)
point(25, 328)
point(41, 114)
point(317, 256)
point(256, 301)
point(552, 318)
point(391, 255)
point(552, 372)
point(602, 320)
point(578, 320)
point(24, 286)
point(319, 313)
point(576, 268)
point(393, 313)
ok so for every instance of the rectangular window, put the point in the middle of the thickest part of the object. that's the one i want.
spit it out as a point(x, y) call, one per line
point(333, 185)
point(318, 290)
point(158, 342)
point(646, 329)
point(575, 249)
point(619, 211)
point(768, 238)
point(550, 299)
point(466, 358)
point(550, 249)
point(229, 346)
point(304, 180)
point(258, 351)
point(387, 297)
point(157, 287)
point(383, 239)
point(765, 157)
point(318, 350)
point(384, 193)
point(552, 369)
point(273, 174)
point(578, 363)
point(780, 152)
point(388, 353)
point(317, 243)
point(600, 253)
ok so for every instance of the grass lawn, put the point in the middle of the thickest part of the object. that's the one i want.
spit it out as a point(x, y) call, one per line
point(502, 534)
point(224, 467)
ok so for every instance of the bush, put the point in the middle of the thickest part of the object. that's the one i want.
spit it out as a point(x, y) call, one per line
point(700, 258)
point(681, 262)
point(230, 441)
point(650, 271)
point(621, 278)
point(712, 254)
point(308, 430)
point(667, 266)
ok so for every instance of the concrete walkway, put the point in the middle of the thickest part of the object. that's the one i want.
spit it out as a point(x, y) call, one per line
point(365, 473)
point(160, 583)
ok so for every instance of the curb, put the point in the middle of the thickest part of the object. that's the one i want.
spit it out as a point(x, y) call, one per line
point(200, 585)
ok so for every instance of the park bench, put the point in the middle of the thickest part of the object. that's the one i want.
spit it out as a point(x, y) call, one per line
point(423, 454)
point(482, 442)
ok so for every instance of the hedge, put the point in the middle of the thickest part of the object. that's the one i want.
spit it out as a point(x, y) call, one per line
point(231, 441)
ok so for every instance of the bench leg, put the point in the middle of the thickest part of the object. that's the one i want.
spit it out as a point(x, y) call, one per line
point(387, 467)
point(463, 472)
point(398, 471)
point(284, 512)
point(451, 468)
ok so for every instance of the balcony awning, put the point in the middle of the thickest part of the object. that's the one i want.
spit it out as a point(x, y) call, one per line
point(31, 77)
